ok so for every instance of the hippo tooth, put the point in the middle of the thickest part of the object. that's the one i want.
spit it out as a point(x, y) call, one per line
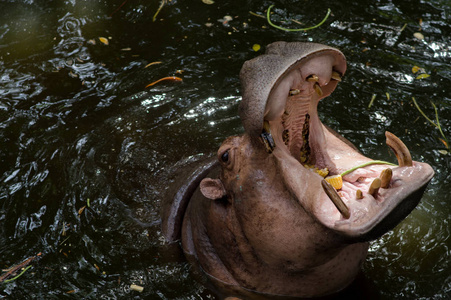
point(399, 148)
point(294, 92)
point(336, 76)
point(318, 89)
point(374, 187)
point(336, 199)
point(313, 78)
point(358, 194)
point(385, 177)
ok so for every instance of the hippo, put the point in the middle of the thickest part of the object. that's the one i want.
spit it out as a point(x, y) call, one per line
point(288, 208)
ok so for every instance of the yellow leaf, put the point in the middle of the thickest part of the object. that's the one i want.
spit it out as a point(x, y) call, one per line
point(422, 76)
point(80, 211)
point(419, 35)
point(103, 40)
point(415, 69)
point(208, 1)
point(256, 47)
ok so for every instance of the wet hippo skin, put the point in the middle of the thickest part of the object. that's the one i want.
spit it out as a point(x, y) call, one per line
point(268, 221)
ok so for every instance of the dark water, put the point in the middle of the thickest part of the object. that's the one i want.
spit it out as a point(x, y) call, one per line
point(78, 129)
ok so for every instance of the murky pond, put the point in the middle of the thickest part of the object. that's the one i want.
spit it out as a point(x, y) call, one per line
point(87, 151)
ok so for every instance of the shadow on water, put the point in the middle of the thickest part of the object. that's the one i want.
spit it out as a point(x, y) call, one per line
point(87, 151)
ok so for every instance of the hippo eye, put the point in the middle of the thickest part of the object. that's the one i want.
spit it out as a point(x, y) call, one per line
point(225, 156)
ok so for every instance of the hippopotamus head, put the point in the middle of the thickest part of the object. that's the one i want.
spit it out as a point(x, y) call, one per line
point(294, 204)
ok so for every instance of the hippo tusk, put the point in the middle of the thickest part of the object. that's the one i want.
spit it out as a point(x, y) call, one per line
point(374, 187)
point(385, 177)
point(313, 78)
point(336, 199)
point(318, 89)
point(336, 76)
point(399, 148)
point(358, 194)
point(294, 92)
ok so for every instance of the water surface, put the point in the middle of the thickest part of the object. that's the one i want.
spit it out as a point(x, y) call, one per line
point(87, 151)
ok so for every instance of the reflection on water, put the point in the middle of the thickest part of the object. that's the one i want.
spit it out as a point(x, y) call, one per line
point(87, 152)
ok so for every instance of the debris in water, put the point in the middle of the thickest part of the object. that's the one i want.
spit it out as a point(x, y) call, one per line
point(419, 36)
point(256, 47)
point(298, 29)
point(104, 40)
point(422, 76)
point(437, 124)
point(136, 288)
point(173, 78)
point(153, 63)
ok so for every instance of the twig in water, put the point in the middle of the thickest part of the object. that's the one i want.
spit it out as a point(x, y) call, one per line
point(163, 2)
point(372, 100)
point(14, 269)
point(437, 125)
point(117, 9)
point(298, 29)
point(173, 78)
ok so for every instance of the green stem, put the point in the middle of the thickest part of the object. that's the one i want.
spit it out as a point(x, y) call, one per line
point(163, 2)
point(373, 162)
point(438, 125)
point(14, 278)
point(298, 29)
point(421, 112)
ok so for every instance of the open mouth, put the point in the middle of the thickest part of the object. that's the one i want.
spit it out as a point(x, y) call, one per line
point(358, 196)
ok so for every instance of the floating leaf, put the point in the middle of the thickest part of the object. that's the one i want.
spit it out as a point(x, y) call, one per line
point(422, 76)
point(256, 47)
point(444, 152)
point(419, 35)
point(208, 1)
point(415, 69)
point(104, 40)
point(80, 211)
point(136, 288)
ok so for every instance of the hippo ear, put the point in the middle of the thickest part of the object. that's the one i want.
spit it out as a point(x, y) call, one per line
point(212, 188)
